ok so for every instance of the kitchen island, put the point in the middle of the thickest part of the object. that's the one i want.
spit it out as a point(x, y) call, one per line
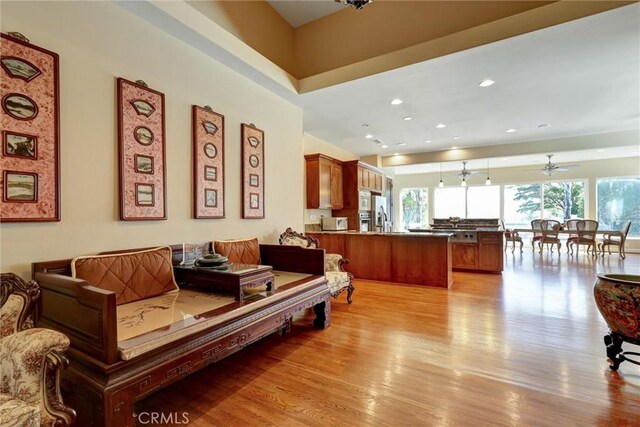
point(413, 258)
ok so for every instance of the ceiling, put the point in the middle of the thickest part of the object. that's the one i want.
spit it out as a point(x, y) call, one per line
point(301, 12)
point(578, 78)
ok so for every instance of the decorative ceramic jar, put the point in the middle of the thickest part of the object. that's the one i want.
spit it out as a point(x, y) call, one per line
point(618, 299)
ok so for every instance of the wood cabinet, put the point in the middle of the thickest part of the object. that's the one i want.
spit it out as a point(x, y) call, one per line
point(393, 258)
point(485, 255)
point(324, 182)
point(357, 176)
point(465, 256)
point(490, 252)
point(369, 179)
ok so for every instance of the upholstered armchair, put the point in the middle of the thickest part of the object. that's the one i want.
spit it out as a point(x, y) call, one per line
point(337, 279)
point(30, 361)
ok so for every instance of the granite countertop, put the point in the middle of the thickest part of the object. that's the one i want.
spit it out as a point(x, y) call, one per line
point(426, 233)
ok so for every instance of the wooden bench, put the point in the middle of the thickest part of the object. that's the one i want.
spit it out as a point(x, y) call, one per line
point(102, 386)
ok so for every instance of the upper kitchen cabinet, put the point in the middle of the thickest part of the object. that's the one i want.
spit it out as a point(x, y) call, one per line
point(369, 178)
point(324, 182)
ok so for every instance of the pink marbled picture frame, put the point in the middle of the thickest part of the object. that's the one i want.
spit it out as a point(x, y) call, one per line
point(141, 152)
point(252, 172)
point(208, 163)
point(30, 100)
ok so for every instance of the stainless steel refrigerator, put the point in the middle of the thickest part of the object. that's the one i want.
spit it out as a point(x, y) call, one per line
point(380, 215)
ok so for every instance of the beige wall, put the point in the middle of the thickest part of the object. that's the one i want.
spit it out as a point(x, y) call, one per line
point(257, 24)
point(99, 41)
point(589, 171)
point(352, 35)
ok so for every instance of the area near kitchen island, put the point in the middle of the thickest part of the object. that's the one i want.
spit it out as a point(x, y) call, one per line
point(411, 258)
point(417, 258)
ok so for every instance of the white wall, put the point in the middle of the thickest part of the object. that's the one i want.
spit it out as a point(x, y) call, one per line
point(588, 171)
point(99, 41)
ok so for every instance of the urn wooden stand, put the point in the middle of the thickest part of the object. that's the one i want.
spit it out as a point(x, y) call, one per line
point(618, 299)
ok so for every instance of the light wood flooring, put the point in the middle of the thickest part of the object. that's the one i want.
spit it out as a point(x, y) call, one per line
point(523, 348)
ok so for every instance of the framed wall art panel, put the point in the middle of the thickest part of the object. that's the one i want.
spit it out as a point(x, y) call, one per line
point(141, 152)
point(29, 97)
point(252, 171)
point(208, 163)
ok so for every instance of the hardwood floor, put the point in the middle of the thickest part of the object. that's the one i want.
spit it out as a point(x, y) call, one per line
point(522, 348)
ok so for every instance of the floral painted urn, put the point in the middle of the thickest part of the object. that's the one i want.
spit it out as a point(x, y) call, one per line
point(618, 299)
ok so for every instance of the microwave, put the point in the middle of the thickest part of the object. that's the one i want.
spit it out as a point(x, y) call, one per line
point(364, 201)
point(335, 223)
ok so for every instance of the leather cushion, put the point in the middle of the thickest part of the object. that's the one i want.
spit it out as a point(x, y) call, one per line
point(239, 251)
point(132, 276)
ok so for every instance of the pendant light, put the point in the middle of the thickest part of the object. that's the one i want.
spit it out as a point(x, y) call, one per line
point(441, 184)
point(488, 181)
point(463, 183)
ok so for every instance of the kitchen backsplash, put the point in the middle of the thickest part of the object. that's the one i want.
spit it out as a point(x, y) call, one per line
point(309, 228)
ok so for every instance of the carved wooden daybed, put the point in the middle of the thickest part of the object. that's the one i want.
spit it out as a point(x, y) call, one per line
point(107, 376)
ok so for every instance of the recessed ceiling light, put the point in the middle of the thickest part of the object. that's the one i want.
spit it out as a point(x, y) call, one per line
point(456, 137)
point(384, 146)
point(441, 125)
point(454, 148)
point(505, 159)
point(486, 83)
point(368, 136)
point(407, 118)
point(601, 150)
point(401, 143)
point(396, 154)
point(396, 101)
point(543, 125)
point(510, 130)
point(427, 141)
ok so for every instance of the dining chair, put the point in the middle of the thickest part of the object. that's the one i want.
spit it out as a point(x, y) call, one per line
point(571, 226)
point(615, 238)
point(585, 234)
point(536, 226)
point(511, 236)
point(550, 229)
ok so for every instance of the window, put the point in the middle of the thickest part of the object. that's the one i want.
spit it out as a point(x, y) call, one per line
point(561, 200)
point(467, 202)
point(449, 201)
point(522, 204)
point(618, 200)
point(414, 208)
point(483, 202)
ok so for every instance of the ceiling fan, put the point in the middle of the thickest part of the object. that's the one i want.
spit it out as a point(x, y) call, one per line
point(551, 168)
point(464, 173)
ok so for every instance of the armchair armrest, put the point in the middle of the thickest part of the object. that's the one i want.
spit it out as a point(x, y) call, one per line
point(23, 356)
point(609, 235)
point(334, 262)
point(31, 362)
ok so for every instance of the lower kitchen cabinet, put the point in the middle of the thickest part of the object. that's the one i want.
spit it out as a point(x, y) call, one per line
point(465, 255)
point(485, 255)
point(490, 252)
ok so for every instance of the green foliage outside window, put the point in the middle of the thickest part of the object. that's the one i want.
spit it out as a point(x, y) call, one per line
point(563, 200)
point(414, 207)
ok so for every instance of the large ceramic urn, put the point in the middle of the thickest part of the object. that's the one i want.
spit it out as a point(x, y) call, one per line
point(618, 299)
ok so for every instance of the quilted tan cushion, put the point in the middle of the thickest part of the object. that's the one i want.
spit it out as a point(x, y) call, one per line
point(239, 251)
point(132, 276)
